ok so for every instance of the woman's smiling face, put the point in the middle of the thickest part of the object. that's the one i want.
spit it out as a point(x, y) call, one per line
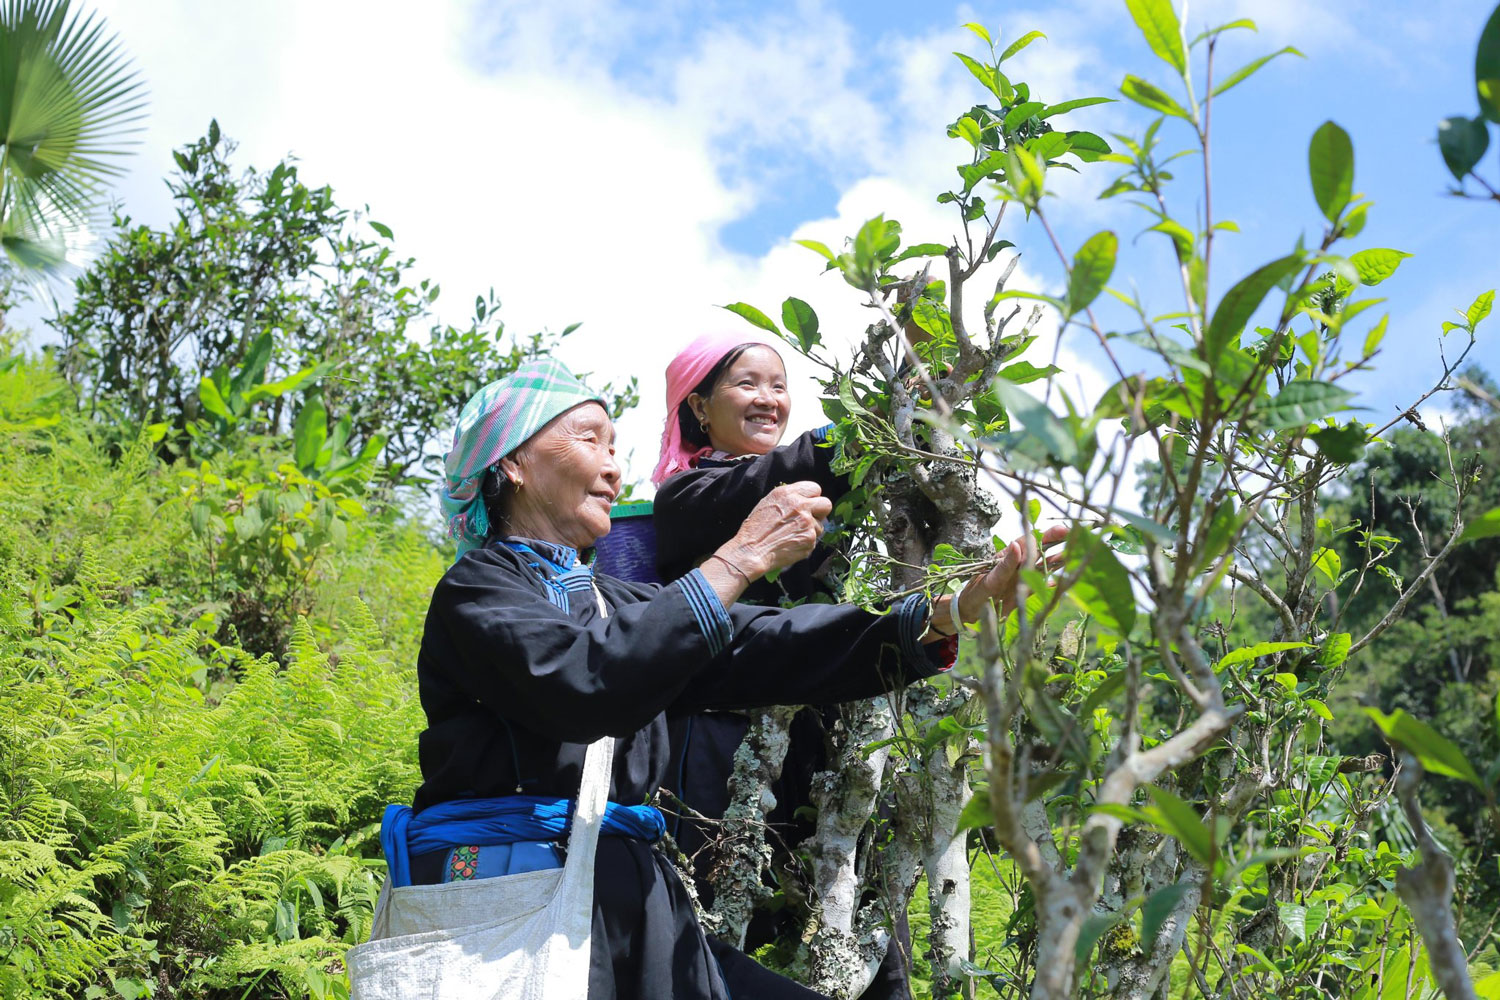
point(746, 411)
point(567, 479)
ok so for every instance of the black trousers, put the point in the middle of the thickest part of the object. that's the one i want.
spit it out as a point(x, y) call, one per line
point(747, 979)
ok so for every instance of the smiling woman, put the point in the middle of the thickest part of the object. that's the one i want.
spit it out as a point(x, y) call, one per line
point(743, 406)
point(728, 458)
point(562, 482)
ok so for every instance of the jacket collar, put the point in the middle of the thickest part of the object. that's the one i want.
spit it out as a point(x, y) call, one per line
point(558, 557)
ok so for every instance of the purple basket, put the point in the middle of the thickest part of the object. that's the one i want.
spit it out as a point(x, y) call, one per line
point(628, 552)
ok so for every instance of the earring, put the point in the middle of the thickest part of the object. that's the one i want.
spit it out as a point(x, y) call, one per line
point(518, 482)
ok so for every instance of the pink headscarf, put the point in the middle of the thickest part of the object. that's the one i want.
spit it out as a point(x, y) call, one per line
point(684, 372)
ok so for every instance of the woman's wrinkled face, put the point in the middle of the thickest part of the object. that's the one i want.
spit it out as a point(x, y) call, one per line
point(567, 479)
point(747, 409)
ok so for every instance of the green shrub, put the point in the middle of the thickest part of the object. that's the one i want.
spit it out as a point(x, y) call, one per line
point(189, 806)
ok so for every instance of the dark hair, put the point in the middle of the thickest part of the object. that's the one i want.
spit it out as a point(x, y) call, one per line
point(687, 420)
point(495, 492)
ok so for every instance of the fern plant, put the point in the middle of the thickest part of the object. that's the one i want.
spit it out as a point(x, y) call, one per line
point(152, 837)
point(181, 816)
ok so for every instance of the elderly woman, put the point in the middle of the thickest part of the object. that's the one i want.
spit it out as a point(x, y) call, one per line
point(527, 658)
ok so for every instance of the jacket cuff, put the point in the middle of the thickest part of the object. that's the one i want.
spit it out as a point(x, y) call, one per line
point(713, 619)
point(912, 615)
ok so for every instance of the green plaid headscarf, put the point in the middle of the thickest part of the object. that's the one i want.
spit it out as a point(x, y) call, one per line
point(496, 421)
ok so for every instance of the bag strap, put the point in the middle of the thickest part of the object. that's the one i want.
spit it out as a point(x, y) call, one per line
point(593, 795)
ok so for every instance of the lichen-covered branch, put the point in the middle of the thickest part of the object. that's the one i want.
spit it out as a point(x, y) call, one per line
point(741, 846)
point(943, 790)
point(1427, 890)
point(845, 796)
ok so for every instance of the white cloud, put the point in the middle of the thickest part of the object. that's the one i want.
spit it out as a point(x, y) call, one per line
point(497, 143)
point(784, 81)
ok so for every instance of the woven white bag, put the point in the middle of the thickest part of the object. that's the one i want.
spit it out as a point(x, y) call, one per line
point(518, 937)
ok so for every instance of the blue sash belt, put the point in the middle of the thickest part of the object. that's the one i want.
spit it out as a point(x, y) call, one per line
point(509, 819)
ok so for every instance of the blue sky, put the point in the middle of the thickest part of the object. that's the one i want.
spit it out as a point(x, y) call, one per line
point(636, 165)
point(1385, 72)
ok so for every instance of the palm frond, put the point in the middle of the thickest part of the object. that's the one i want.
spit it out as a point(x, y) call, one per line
point(69, 102)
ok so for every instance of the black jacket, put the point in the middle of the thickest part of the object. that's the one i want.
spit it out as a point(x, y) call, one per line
point(698, 510)
point(515, 686)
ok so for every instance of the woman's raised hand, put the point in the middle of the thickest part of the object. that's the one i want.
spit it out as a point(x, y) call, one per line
point(782, 529)
point(999, 583)
point(787, 523)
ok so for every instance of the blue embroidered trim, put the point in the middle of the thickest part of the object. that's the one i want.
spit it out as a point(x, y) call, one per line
point(821, 433)
point(577, 579)
point(562, 557)
point(558, 566)
point(713, 620)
